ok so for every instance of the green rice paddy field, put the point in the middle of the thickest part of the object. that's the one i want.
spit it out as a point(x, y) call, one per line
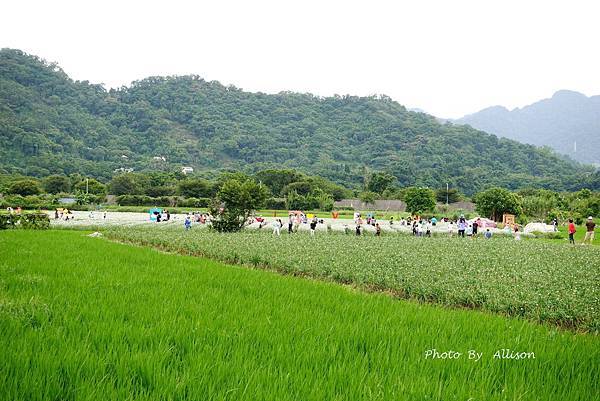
point(549, 282)
point(87, 319)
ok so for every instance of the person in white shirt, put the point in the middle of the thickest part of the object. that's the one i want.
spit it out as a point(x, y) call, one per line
point(276, 227)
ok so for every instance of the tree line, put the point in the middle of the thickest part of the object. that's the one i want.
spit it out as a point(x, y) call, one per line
point(287, 189)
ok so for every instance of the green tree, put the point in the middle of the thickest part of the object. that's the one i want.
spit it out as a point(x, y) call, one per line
point(161, 190)
point(380, 181)
point(54, 184)
point(419, 200)
point(92, 186)
point(195, 188)
point(325, 201)
point(125, 184)
point(276, 180)
point(453, 195)
point(25, 187)
point(367, 197)
point(540, 203)
point(300, 187)
point(494, 202)
point(235, 202)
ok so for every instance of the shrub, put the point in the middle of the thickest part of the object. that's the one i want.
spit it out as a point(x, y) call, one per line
point(32, 221)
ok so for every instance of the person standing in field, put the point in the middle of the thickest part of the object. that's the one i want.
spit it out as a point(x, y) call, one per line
point(377, 230)
point(297, 222)
point(589, 234)
point(572, 231)
point(290, 223)
point(313, 226)
point(475, 227)
point(470, 231)
point(358, 230)
point(462, 226)
point(187, 223)
point(277, 227)
point(517, 233)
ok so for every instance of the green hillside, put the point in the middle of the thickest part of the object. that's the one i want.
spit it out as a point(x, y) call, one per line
point(52, 124)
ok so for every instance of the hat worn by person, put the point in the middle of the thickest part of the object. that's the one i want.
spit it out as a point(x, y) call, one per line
point(590, 218)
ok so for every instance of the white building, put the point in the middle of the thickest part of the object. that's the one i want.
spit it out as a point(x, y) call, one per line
point(187, 170)
point(123, 170)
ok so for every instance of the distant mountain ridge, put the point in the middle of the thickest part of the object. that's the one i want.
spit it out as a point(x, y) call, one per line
point(568, 122)
point(50, 123)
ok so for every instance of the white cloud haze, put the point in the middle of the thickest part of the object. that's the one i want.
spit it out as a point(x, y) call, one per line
point(446, 57)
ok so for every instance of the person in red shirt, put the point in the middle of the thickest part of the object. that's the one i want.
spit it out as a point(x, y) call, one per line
point(572, 231)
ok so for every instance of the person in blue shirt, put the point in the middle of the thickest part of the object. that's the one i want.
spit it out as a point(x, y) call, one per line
point(188, 223)
point(488, 234)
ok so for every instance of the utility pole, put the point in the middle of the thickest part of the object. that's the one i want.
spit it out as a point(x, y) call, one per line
point(447, 193)
point(87, 185)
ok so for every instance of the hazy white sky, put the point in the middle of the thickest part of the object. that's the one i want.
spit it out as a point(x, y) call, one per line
point(447, 57)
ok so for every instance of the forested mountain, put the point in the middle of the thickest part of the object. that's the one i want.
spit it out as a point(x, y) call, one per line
point(569, 123)
point(52, 124)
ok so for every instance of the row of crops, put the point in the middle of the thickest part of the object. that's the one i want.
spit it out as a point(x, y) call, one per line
point(542, 281)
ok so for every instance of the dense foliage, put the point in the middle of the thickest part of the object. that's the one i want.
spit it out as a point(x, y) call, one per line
point(419, 200)
point(235, 202)
point(50, 124)
point(494, 202)
point(35, 221)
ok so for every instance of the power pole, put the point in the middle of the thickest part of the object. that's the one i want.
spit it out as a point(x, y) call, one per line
point(447, 193)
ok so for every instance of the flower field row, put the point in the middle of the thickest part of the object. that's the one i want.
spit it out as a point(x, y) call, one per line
point(545, 282)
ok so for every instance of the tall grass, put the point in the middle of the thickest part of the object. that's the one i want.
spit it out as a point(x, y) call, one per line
point(543, 281)
point(86, 319)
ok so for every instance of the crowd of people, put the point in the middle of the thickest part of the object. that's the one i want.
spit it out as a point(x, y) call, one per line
point(295, 219)
point(461, 227)
point(419, 226)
